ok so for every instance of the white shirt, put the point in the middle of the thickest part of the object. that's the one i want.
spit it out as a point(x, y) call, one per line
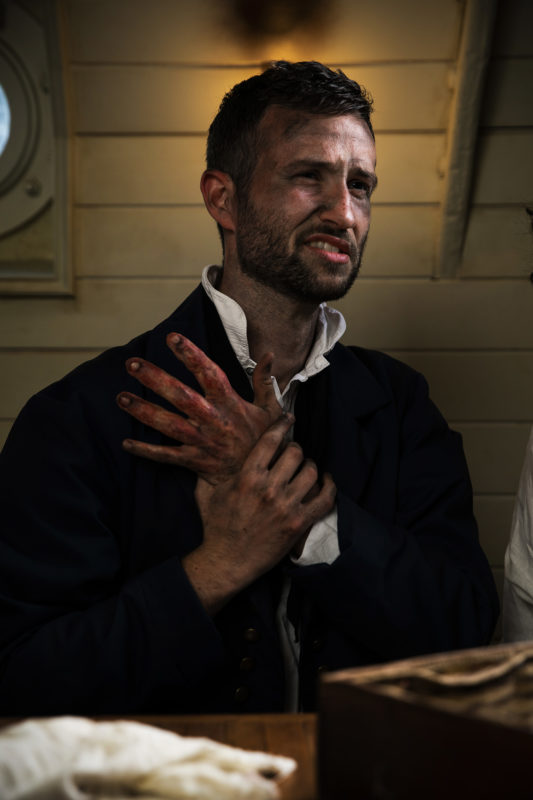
point(322, 543)
point(518, 581)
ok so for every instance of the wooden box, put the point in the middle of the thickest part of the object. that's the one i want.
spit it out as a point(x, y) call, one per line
point(458, 725)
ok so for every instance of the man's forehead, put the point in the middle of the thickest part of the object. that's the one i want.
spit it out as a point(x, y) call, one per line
point(296, 129)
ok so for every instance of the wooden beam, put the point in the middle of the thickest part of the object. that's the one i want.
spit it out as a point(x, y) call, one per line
point(474, 54)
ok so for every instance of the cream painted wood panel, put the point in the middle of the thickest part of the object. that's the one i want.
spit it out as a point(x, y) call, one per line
point(494, 515)
point(145, 169)
point(439, 314)
point(167, 169)
point(203, 33)
point(512, 32)
point(170, 99)
point(495, 454)
point(30, 371)
point(149, 242)
point(156, 99)
point(504, 167)
point(102, 313)
point(508, 99)
point(179, 241)
point(499, 243)
point(489, 386)
point(401, 241)
point(386, 314)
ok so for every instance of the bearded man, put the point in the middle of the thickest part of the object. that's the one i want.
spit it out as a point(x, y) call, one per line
point(273, 503)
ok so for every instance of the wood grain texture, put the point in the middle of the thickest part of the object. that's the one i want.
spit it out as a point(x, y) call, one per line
point(203, 33)
point(513, 29)
point(499, 243)
point(478, 386)
point(178, 241)
point(495, 453)
point(508, 100)
point(504, 167)
point(140, 98)
point(167, 169)
point(399, 315)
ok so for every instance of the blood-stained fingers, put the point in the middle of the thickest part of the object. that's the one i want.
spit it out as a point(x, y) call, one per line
point(192, 458)
point(177, 393)
point(166, 422)
point(211, 378)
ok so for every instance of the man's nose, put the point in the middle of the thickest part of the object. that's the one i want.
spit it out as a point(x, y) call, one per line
point(338, 207)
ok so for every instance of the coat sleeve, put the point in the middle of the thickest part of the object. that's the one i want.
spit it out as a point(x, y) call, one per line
point(78, 633)
point(411, 577)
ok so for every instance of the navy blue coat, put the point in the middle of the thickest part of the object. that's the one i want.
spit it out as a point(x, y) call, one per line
point(96, 612)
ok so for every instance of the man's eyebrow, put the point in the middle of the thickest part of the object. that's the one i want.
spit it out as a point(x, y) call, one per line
point(306, 163)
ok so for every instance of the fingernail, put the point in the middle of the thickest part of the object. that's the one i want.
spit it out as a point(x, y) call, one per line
point(126, 444)
point(134, 366)
point(175, 339)
point(124, 400)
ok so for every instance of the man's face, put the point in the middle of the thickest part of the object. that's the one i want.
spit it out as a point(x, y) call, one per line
point(302, 227)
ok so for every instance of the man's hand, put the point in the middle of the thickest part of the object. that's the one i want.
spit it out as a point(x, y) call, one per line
point(219, 430)
point(255, 517)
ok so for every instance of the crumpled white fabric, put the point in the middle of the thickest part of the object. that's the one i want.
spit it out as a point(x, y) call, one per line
point(74, 758)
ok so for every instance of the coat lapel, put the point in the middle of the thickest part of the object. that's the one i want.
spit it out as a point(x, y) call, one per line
point(354, 398)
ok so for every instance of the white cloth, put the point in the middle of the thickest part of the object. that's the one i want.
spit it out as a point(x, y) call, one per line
point(73, 758)
point(322, 543)
point(518, 581)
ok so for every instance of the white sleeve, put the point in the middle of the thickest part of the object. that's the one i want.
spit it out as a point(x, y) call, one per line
point(322, 543)
point(518, 580)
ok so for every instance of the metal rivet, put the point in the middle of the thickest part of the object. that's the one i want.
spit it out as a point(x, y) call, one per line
point(33, 187)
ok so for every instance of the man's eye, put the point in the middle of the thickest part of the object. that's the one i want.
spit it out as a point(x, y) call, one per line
point(360, 187)
point(309, 174)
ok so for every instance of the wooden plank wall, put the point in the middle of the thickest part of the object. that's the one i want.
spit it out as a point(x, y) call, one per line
point(146, 78)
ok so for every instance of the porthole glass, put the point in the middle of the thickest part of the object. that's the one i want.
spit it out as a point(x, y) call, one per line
point(5, 120)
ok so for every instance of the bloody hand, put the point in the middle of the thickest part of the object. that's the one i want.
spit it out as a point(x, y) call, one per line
point(219, 430)
point(255, 517)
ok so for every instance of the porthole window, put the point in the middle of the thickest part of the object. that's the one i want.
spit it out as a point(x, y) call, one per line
point(5, 120)
point(33, 199)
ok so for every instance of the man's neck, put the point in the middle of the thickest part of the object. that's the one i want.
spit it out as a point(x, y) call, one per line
point(275, 323)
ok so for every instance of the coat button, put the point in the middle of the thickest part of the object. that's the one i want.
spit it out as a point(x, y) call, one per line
point(251, 634)
point(246, 664)
point(241, 694)
point(322, 668)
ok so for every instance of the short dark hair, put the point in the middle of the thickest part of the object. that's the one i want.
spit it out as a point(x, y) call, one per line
point(304, 86)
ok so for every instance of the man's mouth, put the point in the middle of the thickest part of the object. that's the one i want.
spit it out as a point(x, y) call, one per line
point(330, 244)
point(320, 245)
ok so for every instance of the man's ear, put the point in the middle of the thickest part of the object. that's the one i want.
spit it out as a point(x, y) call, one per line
point(218, 191)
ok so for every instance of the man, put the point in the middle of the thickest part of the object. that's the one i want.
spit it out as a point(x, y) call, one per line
point(188, 555)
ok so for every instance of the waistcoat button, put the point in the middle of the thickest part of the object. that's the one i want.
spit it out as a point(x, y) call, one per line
point(251, 634)
point(241, 694)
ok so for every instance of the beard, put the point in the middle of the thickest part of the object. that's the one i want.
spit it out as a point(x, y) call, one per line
point(263, 252)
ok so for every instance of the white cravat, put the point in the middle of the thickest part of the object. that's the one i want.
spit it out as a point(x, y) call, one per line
point(322, 544)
